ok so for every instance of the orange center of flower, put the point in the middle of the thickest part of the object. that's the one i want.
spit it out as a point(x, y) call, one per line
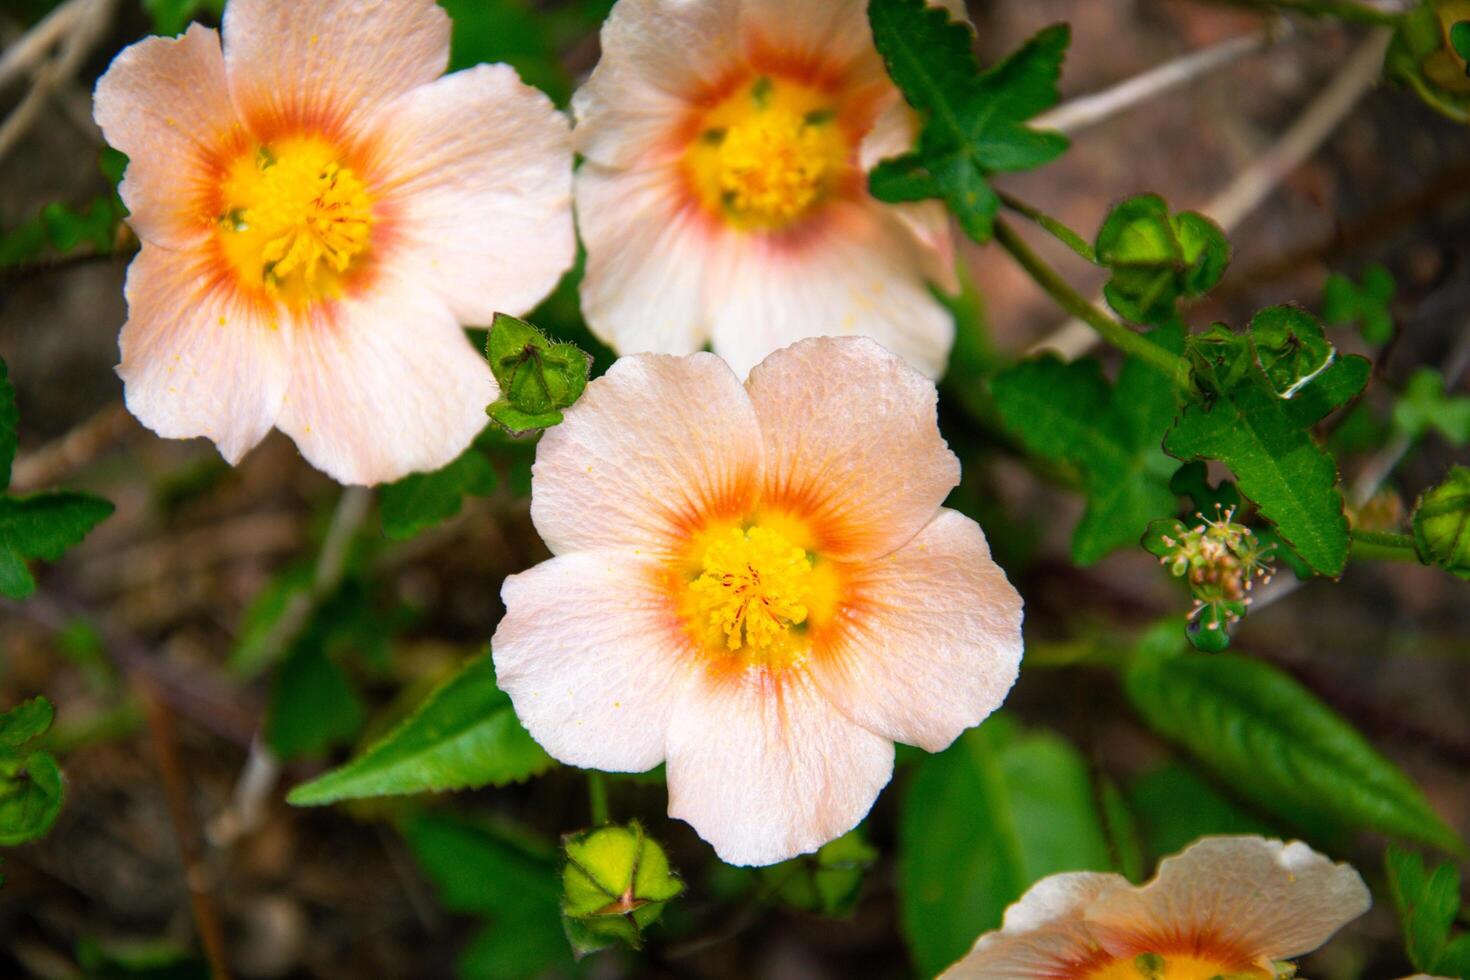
point(295, 219)
point(768, 155)
point(756, 593)
point(1156, 966)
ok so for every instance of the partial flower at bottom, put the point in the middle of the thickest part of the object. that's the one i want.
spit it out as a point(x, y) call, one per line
point(723, 198)
point(1227, 907)
point(758, 585)
point(319, 213)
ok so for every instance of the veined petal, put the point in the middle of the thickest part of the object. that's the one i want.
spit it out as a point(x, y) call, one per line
point(659, 57)
point(930, 642)
point(164, 102)
point(852, 444)
point(1044, 934)
point(654, 446)
point(765, 768)
point(198, 357)
point(593, 658)
point(475, 172)
point(384, 383)
point(652, 262)
point(329, 63)
point(858, 271)
point(1260, 899)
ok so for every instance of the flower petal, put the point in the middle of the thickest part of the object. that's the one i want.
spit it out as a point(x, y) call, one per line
point(592, 656)
point(765, 768)
point(198, 357)
point(852, 443)
point(652, 263)
point(1044, 934)
point(653, 446)
point(930, 642)
point(328, 63)
point(384, 383)
point(164, 102)
point(659, 57)
point(1259, 899)
point(858, 271)
point(476, 174)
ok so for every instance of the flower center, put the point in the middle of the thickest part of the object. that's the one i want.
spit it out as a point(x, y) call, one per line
point(295, 219)
point(1155, 966)
point(755, 585)
point(768, 155)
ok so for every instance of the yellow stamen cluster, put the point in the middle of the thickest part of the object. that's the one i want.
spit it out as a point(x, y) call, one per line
point(1154, 966)
point(768, 156)
point(296, 219)
point(755, 585)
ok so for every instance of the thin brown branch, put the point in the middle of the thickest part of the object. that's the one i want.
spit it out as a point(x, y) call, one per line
point(60, 458)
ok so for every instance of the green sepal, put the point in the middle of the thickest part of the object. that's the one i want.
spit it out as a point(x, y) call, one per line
point(537, 376)
point(1157, 258)
point(1441, 524)
point(615, 883)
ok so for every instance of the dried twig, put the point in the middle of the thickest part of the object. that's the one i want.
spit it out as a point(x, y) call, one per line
point(1255, 183)
point(84, 33)
point(30, 48)
point(64, 456)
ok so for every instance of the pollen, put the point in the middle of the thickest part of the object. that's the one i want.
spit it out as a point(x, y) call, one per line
point(754, 587)
point(295, 219)
point(768, 156)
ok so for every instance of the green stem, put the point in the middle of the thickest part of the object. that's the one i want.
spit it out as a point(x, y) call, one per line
point(1343, 10)
point(1055, 228)
point(597, 797)
point(1072, 302)
point(1383, 546)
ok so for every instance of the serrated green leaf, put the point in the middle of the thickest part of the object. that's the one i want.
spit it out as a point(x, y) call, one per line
point(421, 500)
point(465, 735)
point(1156, 258)
point(24, 722)
point(1290, 347)
point(9, 425)
point(973, 121)
point(1342, 381)
point(1276, 463)
point(1425, 405)
point(1427, 903)
point(1069, 413)
point(1442, 524)
point(979, 824)
point(43, 526)
point(1275, 744)
point(30, 797)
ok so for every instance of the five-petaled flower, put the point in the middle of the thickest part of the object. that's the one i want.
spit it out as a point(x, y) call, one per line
point(319, 212)
point(758, 585)
point(1231, 907)
point(723, 197)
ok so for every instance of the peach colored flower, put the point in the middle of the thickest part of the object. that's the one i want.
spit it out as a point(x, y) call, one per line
point(1226, 906)
point(723, 198)
point(757, 585)
point(319, 212)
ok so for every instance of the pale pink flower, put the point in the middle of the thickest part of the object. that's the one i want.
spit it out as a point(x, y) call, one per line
point(723, 199)
point(319, 212)
point(1226, 906)
point(756, 584)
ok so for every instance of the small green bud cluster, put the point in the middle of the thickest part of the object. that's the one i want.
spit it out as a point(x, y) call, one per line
point(1222, 560)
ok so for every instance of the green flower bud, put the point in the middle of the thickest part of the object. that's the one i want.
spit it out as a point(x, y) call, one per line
point(615, 884)
point(1442, 524)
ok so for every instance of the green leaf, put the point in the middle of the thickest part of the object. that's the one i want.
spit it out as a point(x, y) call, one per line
point(1069, 413)
point(43, 526)
point(1290, 348)
point(1427, 903)
point(1459, 36)
point(1424, 405)
point(313, 705)
point(980, 823)
point(9, 425)
point(972, 121)
point(465, 735)
point(170, 17)
point(1368, 305)
point(30, 797)
point(1156, 258)
point(1442, 524)
point(24, 722)
point(1175, 807)
point(537, 377)
point(1273, 742)
point(1277, 464)
point(1342, 381)
point(827, 882)
point(509, 31)
point(421, 500)
point(481, 870)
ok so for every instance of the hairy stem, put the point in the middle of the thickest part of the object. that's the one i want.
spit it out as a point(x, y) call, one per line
point(1051, 226)
point(1383, 546)
point(1343, 10)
